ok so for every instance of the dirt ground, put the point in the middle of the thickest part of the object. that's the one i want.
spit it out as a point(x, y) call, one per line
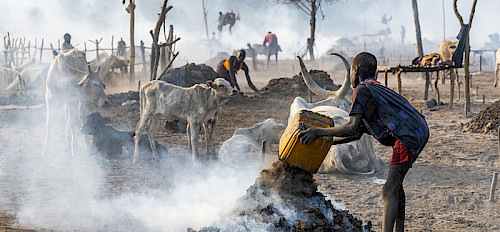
point(446, 190)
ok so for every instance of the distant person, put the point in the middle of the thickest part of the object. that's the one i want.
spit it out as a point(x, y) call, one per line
point(227, 69)
point(67, 42)
point(65, 46)
point(121, 50)
point(388, 117)
point(272, 41)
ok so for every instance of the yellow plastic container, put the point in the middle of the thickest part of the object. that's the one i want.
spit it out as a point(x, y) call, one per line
point(308, 157)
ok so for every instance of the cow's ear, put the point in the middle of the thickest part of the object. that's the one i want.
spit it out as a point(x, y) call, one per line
point(210, 84)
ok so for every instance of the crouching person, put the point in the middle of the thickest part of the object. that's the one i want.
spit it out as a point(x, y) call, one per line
point(389, 118)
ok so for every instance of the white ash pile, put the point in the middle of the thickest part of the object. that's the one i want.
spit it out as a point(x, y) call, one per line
point(190, 74)
point(487, 121)
point(296, 86)
point(285, 198)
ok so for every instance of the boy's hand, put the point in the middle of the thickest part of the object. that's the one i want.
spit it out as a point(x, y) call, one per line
point(308, 134)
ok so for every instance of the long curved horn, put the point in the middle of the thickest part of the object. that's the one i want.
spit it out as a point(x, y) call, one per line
point(340, 93)
point(311, 84)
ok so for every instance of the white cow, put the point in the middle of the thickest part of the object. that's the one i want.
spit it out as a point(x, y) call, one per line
point(244, 147)
point(72, 84)
point(198, 105)
point(355, 157)
point(496, 67)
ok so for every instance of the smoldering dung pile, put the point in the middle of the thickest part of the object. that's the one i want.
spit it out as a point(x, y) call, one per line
point(296, 86)
point(285, 198)
point(487, 121)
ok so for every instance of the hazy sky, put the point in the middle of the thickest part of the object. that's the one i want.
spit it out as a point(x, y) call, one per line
point(92, 19)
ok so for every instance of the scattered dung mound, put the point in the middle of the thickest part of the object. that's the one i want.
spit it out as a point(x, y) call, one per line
point(487, 121)
point(286, 198)
point(296, 86)
point(190, 74)
point(124, 108)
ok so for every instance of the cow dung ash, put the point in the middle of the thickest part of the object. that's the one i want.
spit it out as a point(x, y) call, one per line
point(296, 86)
point(285, 198)
point(487, 121)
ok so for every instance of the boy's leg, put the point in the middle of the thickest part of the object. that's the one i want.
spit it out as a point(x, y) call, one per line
point(393, 195)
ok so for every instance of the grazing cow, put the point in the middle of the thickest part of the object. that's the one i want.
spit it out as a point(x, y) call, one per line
point(356, 157)
point(112, 143)
point(446, 50)
point(72, 84)
point(198, 105)
point(244, 147)
point(496, 67)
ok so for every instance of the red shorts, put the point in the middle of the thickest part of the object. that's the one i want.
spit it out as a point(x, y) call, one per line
point(400, 154)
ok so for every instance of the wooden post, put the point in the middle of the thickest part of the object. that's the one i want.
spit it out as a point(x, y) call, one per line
point(459, 84)
point(139, 87)
point(493, 186)
point(399, 81)
point(484, 98)
point(20, 84)
point(480, 62)
point(52, 48)
point(170, 38)
point(205, 17)
point(143, 56)
point(452, 87)
point(34, 53)
point(420, 50)
point(131, 8)
point(427, 83)
point(29, 50)
point(437, 88)
point(263, 152)
point(385, 78)
point(85, 47)
point(163, 58)
point(112, 48)
point(41, 51)
point(477, 91)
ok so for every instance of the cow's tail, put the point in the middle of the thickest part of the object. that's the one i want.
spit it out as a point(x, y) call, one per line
point(142, 100)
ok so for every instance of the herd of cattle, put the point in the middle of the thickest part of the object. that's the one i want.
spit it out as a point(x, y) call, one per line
point(74, 87)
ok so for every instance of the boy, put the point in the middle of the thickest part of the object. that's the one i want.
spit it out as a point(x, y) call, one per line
point(368, 116)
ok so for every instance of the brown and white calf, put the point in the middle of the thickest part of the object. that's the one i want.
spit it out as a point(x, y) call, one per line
point(198, 105)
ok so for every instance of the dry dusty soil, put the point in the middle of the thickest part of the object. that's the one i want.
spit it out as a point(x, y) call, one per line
point(446, 190)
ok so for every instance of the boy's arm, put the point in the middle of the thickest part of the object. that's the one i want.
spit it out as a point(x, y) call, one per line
point(341, 140)
point(348, 130)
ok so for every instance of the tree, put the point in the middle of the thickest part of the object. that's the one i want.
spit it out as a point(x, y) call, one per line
point(420, 50)
point(310, 7)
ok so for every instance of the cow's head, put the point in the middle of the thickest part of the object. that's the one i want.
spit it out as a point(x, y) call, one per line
point(311, 84)
point(92, 88)
point(268, 130)
point(222, 87)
